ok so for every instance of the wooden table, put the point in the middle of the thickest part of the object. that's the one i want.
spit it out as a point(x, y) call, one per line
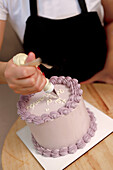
point(16, 156)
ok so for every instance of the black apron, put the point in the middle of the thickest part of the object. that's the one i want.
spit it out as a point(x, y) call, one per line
point(75, 46)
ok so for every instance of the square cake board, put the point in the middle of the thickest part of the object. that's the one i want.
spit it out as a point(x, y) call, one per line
point(104, 128)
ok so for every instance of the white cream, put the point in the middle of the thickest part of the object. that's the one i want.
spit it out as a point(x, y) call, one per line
point(20, 59)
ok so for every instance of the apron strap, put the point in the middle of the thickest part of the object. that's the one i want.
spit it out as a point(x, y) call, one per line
point(33, 7)
point(83, 6)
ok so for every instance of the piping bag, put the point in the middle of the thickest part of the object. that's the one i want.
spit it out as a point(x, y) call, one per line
point(20, 59)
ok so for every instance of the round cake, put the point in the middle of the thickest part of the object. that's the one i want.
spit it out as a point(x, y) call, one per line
point(59, 125)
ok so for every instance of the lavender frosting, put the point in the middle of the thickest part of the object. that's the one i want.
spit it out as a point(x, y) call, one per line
point(74, 99)
point(71, 103)
point(71, 148)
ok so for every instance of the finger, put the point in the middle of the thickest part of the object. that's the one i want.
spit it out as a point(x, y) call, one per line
point(39, 85)
point(29, 81)
point(24, 72)
point(25, 82)
point(41, 82)
point(31, 57)
point(20, 71)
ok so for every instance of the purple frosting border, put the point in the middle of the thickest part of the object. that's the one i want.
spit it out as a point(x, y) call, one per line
point(74, 99)
point(71, 148)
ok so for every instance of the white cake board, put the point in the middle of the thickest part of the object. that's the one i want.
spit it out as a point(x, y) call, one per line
point(104, 128)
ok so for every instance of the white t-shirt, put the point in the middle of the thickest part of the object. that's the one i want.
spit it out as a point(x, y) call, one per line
point(19, 11)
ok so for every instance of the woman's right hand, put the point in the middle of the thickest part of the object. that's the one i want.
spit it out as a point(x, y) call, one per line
point(24, 79)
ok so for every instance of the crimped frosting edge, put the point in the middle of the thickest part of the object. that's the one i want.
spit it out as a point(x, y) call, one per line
point(71, 149)
point(74, 99)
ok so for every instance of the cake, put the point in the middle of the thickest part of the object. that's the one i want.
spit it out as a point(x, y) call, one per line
point(59, 126)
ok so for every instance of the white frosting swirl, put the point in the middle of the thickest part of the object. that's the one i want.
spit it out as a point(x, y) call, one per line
point(20, 59)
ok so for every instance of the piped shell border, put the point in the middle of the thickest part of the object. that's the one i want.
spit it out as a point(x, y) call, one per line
point(72, 102)
point(71, 149)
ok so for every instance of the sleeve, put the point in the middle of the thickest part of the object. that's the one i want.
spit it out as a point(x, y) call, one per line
point(3, 10)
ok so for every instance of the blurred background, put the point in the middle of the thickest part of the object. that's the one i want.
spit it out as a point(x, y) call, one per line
point(8, 99)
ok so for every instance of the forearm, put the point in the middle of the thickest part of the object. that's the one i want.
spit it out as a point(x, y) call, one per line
point(2, 70)
point(109, 41)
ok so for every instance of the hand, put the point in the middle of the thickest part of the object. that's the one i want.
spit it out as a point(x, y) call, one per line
point(104, 76)
point(24, 79)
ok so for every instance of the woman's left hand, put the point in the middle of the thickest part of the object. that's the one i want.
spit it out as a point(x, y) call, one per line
point(104, 76)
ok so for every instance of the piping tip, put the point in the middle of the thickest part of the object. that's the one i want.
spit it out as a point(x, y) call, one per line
point(54, 93)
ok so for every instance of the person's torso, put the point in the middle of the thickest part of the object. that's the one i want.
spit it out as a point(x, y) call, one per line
point(19, 11)
point(75, 46)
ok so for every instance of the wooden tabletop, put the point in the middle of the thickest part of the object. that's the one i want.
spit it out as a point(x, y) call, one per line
point(15, 154)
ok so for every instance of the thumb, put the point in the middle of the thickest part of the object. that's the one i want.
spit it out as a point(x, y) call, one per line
point(31, 57)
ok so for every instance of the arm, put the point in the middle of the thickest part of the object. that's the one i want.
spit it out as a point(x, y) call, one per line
point(2, 64)
point(108, 10)
point(2, 28)
point(22, 80)
point(106, 75)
